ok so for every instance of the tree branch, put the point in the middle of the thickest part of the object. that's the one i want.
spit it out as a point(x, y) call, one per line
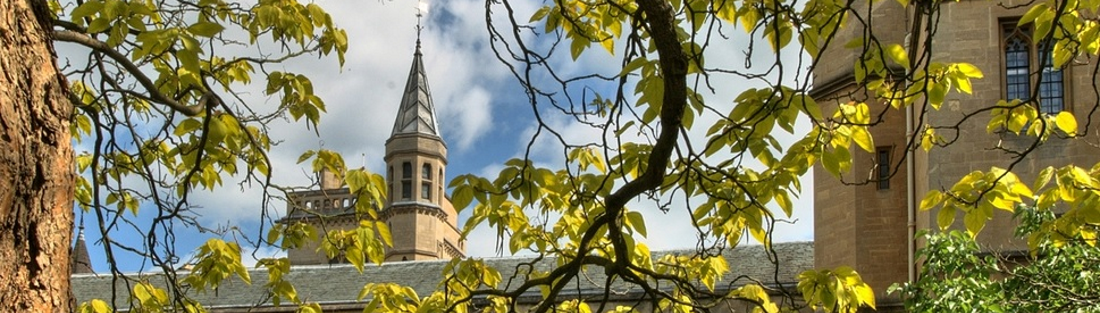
point(94, 44)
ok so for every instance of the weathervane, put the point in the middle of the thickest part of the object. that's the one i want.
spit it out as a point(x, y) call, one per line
point(419, 14)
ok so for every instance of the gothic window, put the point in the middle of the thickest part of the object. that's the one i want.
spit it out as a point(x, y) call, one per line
point(1022, 58)
point(882, 167)
point(406, 180)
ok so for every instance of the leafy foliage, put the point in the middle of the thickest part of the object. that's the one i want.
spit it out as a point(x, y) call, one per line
point(159, 115)
point(154, 99)
point(958, 276)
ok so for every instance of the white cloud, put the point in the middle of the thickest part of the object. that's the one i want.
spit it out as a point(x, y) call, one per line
point(474, 118)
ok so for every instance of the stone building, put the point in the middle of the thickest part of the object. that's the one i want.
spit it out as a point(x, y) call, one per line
point(870, 226)
point(422, 221)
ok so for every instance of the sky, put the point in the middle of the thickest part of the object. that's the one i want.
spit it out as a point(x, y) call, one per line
point(482, 111)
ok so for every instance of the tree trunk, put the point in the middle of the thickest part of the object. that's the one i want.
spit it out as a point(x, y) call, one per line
point(36, 169)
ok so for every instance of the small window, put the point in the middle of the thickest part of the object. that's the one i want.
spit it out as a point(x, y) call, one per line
point(426, 191)
point(406, 180)
point(882, 168)
point(426, 171)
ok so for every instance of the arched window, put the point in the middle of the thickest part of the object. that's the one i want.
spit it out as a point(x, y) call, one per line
point(1017, 64)
point(1022, 57)
point(426, 171)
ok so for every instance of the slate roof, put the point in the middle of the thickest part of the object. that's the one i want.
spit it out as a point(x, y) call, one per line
point(417, 113)
point(340, 284)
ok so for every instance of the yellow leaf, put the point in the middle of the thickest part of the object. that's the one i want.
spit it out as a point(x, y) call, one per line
point(1066, 122)
point(863, 138)
point(969, 70)
point(898, 54)
point(99, 306)
point(931, 199)
point(864, 294)
point(609, 45)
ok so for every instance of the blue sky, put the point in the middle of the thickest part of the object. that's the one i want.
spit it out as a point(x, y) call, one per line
point(483, 113)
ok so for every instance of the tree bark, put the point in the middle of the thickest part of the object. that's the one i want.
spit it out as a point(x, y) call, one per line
point(36, 169)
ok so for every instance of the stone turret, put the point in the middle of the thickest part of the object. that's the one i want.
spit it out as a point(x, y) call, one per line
point(421, 218)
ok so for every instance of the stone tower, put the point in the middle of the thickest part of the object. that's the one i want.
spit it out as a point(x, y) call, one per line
point(863, 226)
point(868, 226)
point(422, 221)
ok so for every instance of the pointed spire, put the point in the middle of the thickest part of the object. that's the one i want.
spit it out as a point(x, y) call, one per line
point(417, 113)
point(80, 262)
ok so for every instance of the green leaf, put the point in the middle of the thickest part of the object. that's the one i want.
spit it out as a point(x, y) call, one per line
point(98, 25)
point(634, 65)
point(540, 14)
point(577, 47)
point(187, 126)
point(1033, 13)
point(974, 221)
point(305, 156)
point(462, 197)
point(205, 29)
point(830, 162)
point(86, 10)
point(784, 202)
point(635, 220)
point(945, 217)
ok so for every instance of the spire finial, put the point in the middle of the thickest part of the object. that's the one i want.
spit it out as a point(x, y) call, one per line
point(80, 235)
point(419, 14)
